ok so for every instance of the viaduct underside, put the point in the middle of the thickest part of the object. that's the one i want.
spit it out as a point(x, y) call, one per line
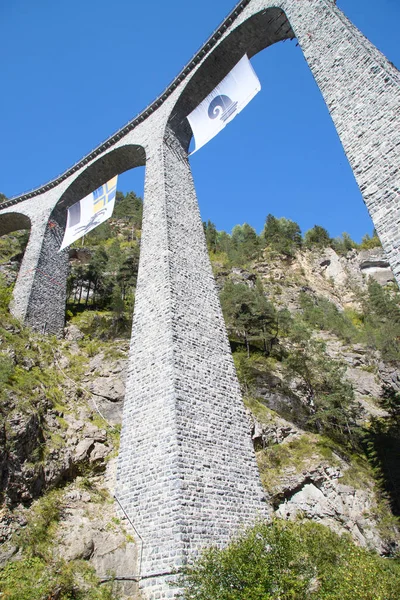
point(187, 475)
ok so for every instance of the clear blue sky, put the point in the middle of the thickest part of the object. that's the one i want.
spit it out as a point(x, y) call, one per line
point(75, 71)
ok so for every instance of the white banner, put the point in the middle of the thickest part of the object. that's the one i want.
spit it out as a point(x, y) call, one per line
point(90, 212)
point(224, 103)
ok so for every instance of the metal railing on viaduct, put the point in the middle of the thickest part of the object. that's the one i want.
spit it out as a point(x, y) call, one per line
point(187, 475)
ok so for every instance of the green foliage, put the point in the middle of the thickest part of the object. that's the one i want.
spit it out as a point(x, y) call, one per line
point(92, 347)
point(282, 560)
point(107, 281)
point(282, 235)
point(249, 314)
point(5, 294)
point(6, 368)
point(239, 248)
point(382, 320)
point(382, 444)
point(38, 535)
point(102, 325)
point(317, 237)
point(368, 242)
point(342, 245)
point(33, 578)
point(118, 305)
point(295, 454)
point(378, 326)
point(12, 246)
point(329, 396)
point(211, 234)
point(244, 244)
point(39, 574)
point(129, 207)
point(320, 313)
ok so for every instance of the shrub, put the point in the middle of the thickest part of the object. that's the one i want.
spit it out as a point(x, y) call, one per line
point(32, 578)
point(290, 561)
point(6, 368)
point(320, 313)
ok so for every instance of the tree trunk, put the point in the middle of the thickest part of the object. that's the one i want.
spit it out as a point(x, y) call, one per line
point(87, 295)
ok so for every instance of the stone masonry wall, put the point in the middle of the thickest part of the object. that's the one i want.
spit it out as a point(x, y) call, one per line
point(40, 291)
point(187, 472)
point(362, 91)
point(46, 307)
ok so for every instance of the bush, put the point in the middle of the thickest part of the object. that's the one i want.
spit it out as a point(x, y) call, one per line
point(342, 245)
point(6, 368)
point(368, 242)
point(5, 294)
point(320, 313)
point(39, 574)
point(290, 561)
point(32, 578)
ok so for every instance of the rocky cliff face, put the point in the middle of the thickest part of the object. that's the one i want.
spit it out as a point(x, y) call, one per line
point(305, 477)
point(59, 435)
point(62, 410)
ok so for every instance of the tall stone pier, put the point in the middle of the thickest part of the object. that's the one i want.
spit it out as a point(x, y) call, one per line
point(187, 472)
point(187, 475)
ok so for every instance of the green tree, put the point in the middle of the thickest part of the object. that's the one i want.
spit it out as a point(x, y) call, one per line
point(117, 303)
point(236, 301)
point(317, 237)
point(320, 313)
point(127, 273)
point(94, 272)
point(249, 314)
point(382, 320)
point(266, 320)
point(328, 394)
point(245, 244)
point(129, 207)
point(224, 242)
point(368, 242)
point(211, 235)
point(342, 245)
point(282, 235)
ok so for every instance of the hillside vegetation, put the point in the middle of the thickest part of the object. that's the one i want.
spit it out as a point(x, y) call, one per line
point(316, 346)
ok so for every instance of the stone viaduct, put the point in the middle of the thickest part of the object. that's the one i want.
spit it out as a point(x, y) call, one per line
point(187, 475)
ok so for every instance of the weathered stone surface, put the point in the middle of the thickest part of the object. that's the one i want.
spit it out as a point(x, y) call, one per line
point(73, 333)
point(317, 494)
point(83, 449)
point(110, 388)
point(90, 530)
point(274, 432)
point(373, 263)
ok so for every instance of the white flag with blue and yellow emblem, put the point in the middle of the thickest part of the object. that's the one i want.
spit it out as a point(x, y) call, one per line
point(90, 212)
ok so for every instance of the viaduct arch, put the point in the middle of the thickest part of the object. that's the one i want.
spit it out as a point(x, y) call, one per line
point(186, 473)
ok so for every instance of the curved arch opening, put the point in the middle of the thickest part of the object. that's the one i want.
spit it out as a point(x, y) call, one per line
point(14, 236)
point(112, 163)
point(104, 263)
point(13, 221)
point(294, 147)
point(255, 34)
